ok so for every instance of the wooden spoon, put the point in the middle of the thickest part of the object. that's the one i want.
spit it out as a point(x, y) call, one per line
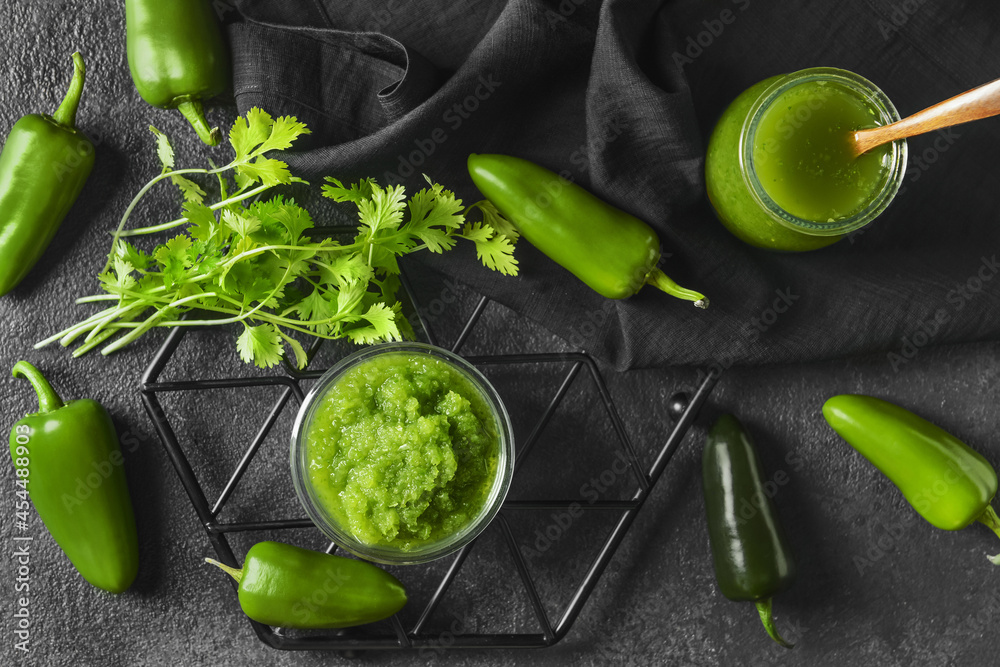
point(981, 102)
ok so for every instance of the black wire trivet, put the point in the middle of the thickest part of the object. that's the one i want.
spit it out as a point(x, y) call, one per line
point(418, 636)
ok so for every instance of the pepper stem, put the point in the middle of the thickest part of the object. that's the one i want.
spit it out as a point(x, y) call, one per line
point(231, 571)
point(48, 399)
point(66, 113)
point(990, 519)
point(767, 618)
point(195, 114)
point(660, 280)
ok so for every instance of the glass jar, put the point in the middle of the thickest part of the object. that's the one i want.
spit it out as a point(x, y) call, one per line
point(351, 468)
point(776, 172)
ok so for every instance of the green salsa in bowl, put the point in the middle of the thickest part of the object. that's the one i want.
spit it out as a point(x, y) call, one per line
point(402, 453)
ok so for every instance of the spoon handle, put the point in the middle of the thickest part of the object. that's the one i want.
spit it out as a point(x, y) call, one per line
point(981, 102)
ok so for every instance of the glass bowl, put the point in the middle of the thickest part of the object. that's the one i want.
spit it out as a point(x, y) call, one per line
point(324, 518)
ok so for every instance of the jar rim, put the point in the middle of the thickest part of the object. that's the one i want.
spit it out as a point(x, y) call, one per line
point(897, 155)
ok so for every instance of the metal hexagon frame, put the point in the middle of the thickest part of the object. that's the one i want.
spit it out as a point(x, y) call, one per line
point(418, 637)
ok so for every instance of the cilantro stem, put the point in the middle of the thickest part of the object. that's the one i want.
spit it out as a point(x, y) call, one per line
point(169, 324)
point(107, 333)
point(87, 347)
point(150, 321)
point(149, 299)
point(104, 321)
point(223, 191)
point(135, 201)
point(68, 339)
point(79, 325)
point(278, 320)
point(289, 322)
point(97, 297)
point(126, 292)
point(268, 248)
point(181, 221)
point(146, 188)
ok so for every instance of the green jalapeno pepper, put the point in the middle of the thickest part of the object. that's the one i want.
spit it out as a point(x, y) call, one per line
point(177, 57)
point(67, 457)
point(291, 587)
point(945, 481)
point(753, 561)
point(43, 166)
point(613, 252)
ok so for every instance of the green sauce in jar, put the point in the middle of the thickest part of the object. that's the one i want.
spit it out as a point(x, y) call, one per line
point(779, 171)
point(803, 157)
point(403, 450)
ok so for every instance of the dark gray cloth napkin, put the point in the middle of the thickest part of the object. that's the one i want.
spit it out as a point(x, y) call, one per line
point(622, 97)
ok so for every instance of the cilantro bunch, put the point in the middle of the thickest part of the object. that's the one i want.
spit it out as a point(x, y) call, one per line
point(251, 261)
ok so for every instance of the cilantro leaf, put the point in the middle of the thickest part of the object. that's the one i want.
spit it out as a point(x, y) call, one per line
point(133, 256)
point(349, 298)
point(492, 217)
point(301, 358)
point(267, 171)
point(384, 209)
point(477, 232)
point(120, 278)
point(164, 151)
point(357, 193)
point(433, 213)
point(256, 134)
point(284, 131)
point(250, 132)
point(317, 307)
point(294, 219)
point(382, 326)
point(261, 345)
point(242, 225)
point(345, 269)
point(495, 252)
point(202, 225)
point(174, 257)
point(190, 190)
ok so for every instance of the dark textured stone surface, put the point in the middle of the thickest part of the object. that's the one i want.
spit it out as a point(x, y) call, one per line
point(925, 597)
